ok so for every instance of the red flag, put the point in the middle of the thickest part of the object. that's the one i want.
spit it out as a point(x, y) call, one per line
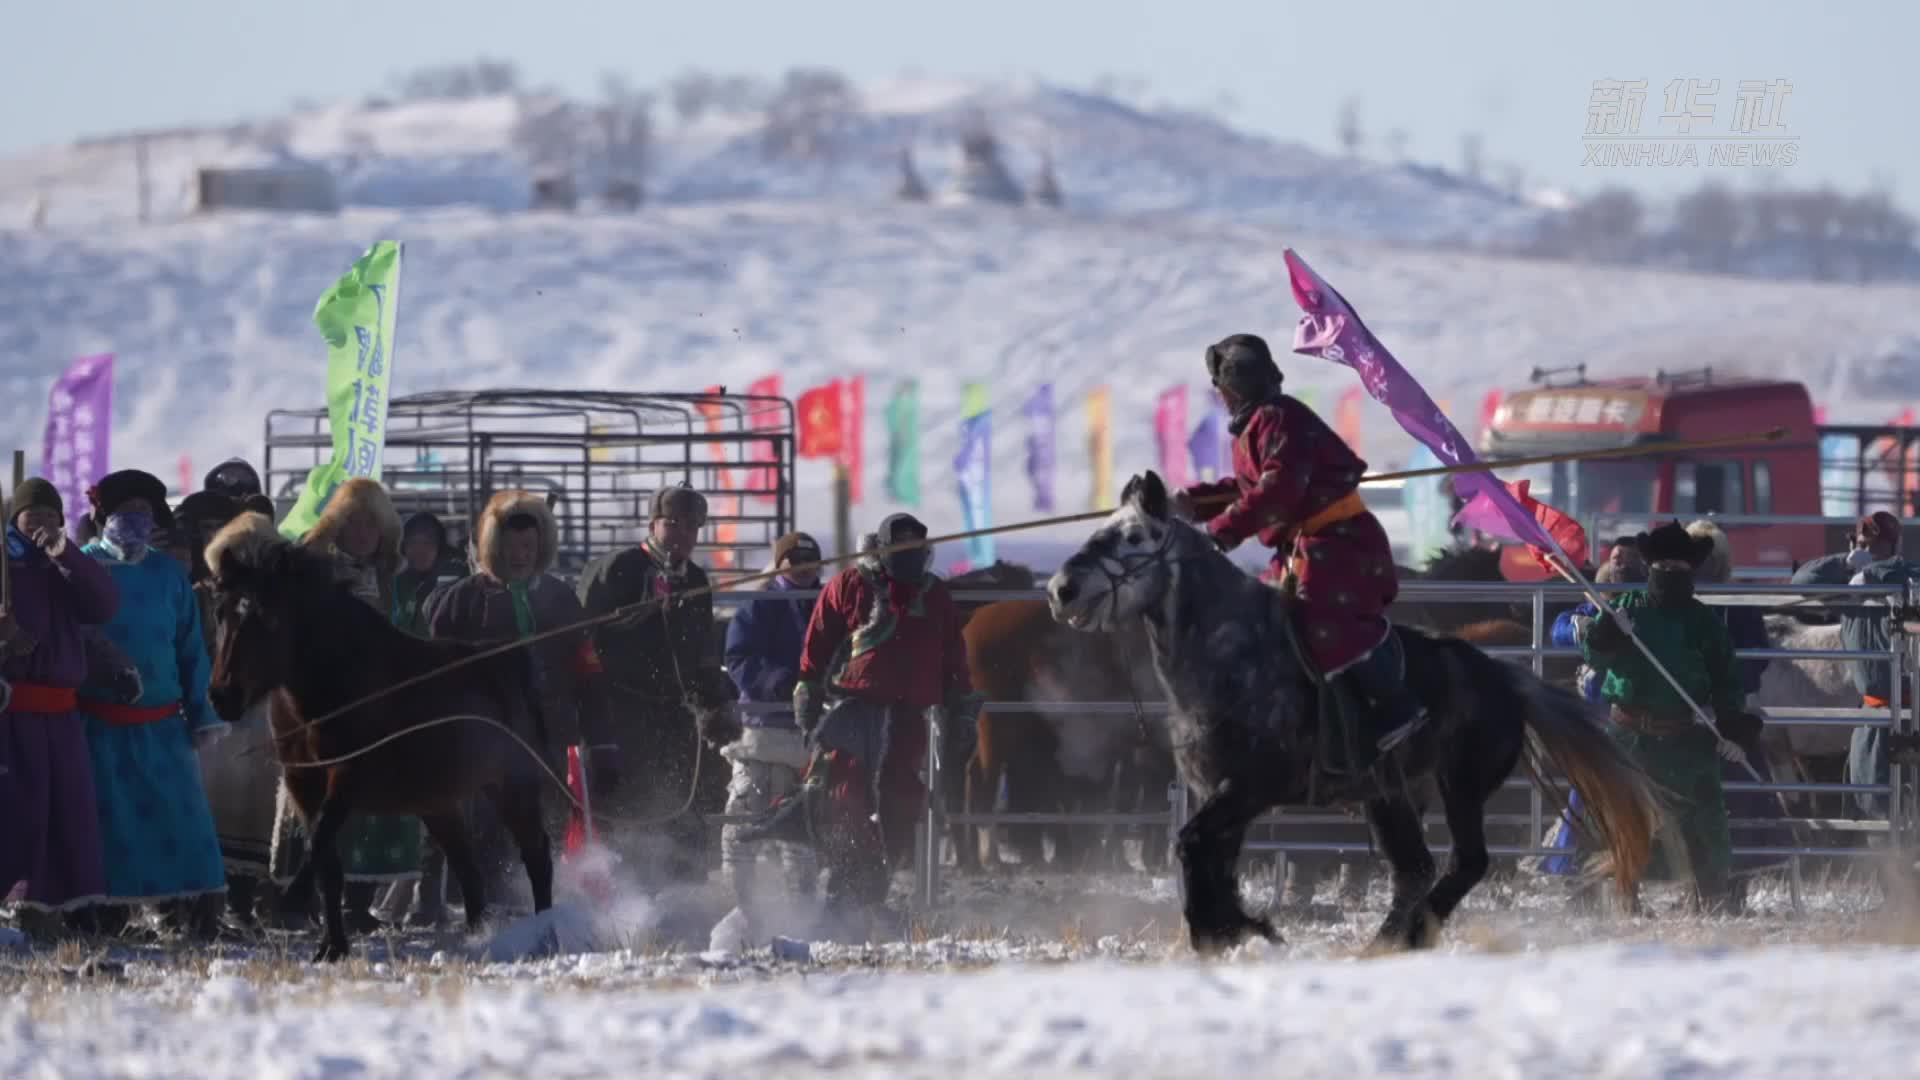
point(1346, 418)
point(724, 532)
point(764, 417)
point(1564, 530)
point(576, 837)
point(822, 428)
point(853, 418)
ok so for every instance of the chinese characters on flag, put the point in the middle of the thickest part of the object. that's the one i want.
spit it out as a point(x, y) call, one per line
point(74, 448)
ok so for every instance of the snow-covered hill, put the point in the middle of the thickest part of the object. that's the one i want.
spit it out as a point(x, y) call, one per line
point(211, 320)
point(1110, 159)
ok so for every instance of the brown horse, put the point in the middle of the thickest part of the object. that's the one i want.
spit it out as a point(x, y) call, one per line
point(1060, 763)
point(291, 634)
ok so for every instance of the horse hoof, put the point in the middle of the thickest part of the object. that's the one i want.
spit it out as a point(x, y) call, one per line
point(1424, 933)
point(331, 952)
point(1263, 926)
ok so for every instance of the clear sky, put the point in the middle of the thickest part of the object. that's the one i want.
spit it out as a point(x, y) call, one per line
point(1520, 74)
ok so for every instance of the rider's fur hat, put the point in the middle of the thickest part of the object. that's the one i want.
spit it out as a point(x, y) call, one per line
point(1243, 364)
point(1672, 543)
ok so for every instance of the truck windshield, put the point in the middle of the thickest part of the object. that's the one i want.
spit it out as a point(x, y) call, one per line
point(1590, 487)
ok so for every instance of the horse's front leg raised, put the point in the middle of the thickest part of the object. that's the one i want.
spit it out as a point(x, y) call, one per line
point(1209, 855)
point(323, 858)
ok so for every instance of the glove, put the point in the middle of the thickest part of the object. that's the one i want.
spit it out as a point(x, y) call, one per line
point(127, 686)
point(603, 769)
point(1738, 728)
point(809, 704)
point(1605, 634)
point(209, 735)
point(1582, 626)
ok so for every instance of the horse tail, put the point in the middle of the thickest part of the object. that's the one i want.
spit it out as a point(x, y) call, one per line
point(1620, 802)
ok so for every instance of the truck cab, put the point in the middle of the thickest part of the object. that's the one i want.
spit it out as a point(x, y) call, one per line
point(1778, 478)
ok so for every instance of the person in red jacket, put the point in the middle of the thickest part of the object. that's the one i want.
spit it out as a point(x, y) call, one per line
point(1295, 486)
point(882, 648)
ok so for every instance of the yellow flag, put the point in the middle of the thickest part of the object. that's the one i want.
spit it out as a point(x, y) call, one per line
point(1100, 447)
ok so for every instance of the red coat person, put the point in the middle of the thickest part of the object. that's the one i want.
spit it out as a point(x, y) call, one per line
point(1295, 486)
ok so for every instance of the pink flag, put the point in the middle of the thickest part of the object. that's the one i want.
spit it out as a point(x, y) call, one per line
point(1170, 434)
point(1332, 330)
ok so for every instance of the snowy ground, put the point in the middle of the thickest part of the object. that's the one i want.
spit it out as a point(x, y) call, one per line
point(1014, 976)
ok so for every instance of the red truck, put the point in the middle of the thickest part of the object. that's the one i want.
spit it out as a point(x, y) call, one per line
point(1813, 471)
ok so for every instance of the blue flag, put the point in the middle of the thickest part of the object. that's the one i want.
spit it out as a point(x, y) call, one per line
point(973, 469)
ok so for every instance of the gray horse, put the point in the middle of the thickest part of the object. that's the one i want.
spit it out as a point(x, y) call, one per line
point(1243, 732)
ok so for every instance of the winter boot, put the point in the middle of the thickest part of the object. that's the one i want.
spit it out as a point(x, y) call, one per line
point(1389, 713)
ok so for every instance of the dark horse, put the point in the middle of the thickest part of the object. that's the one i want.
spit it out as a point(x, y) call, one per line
point(1243, 736)
point(289, 632)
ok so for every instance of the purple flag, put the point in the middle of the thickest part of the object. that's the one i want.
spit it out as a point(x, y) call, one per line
point(1332, 330)
point(1039, 413)
point(1209, 446)
point(74, 449)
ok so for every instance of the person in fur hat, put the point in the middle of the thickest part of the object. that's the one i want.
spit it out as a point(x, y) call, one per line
point(156, 827)
point(513, 594)
point(1653, 723)
point(674, 701)
point(864, 714)
point(360, 531)
point(1295, 488)
point(764, 640)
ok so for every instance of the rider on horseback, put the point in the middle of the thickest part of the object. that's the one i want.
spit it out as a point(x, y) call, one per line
point(1295, 485)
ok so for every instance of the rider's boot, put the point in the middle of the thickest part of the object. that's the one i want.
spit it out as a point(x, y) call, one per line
point(1392, 712)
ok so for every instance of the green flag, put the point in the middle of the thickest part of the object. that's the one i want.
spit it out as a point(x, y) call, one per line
point(356, 318)
point(903, 444)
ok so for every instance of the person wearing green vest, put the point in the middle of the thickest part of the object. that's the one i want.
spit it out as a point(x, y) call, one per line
point(1653, 723)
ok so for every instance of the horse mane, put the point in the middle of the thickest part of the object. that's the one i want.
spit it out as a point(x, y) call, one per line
point(1463, 562)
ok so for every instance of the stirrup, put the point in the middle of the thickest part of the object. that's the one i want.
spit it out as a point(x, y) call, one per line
point(1402, 733)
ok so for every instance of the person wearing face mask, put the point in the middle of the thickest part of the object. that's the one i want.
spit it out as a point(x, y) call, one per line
point(883, 646)
point(764, 639)
point(1654, 724)
point(50, 836)
point(1295, 489)
point(360, 531)
point(513, 594)
point(156, 827)
point(665, 678)
point(1873, 557)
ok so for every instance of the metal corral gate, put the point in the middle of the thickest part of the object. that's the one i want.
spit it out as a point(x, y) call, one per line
point(1900, 792)
point(597, 456)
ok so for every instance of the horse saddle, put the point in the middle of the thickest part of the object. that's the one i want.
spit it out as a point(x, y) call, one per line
point(1347, 765)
